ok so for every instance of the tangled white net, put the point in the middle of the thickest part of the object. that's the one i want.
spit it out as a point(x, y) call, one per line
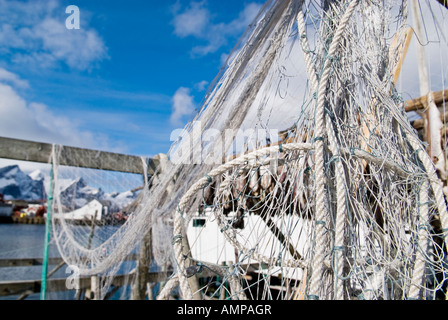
point(300, 178)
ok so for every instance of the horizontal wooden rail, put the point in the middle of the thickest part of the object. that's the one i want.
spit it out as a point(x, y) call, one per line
point(11, 288)
point(29, 262)
point(24, 288)
point(422, 102)
point(420, 123)
point(76, 157)
point(8, 263)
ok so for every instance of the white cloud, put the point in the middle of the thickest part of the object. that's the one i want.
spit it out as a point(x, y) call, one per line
point(77, 48)
point(245, 17)
point(21, 119)
point(183, 106)
point(201, 86)
point(34, 33)
point(13, 79)
point(196, 21)
point(193, 21)
point(224, 57)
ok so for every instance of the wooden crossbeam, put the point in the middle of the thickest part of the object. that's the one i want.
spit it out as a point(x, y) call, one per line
point(11, 288)
point(29, 262)
point(421, 103)
point(77, 157)
point(420, 123)
point(7, 263)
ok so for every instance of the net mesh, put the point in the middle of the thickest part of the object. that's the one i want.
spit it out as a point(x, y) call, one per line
point(301, 176)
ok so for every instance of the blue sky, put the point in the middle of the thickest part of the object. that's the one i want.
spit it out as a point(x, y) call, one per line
point(134, 71)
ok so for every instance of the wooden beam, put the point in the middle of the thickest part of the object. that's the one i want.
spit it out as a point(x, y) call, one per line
point(142, 269)
point(420, 123)
point(76, 157)
point(8, 263)
point(433, 124)
point(27, 287)
point(402, 53)
point(420, 103)
point(10, 288)
point(29, 262)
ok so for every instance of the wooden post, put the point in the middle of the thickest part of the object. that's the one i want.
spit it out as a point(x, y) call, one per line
point(432, 114)
point(95, 287)
point(420, 103)
point(193, 281)
point(402, 52)
point(140, 286)
point(92, 230)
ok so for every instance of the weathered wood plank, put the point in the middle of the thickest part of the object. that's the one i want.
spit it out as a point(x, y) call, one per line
point(7, 263)
point(10, 288)
point(27, 287)
point(420, 123)
point(71, 156)
point(29, 262)
point(422, 102)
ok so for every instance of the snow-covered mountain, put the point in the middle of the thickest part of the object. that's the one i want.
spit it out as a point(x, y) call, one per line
point(16, 185)
point(119, 200)
point(73, 193)
point(37, 175)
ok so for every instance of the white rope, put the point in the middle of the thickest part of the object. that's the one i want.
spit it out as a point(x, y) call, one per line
point(321, 209)
point(418, 273)
point(341, 213)
point(435, 184)
point(306, 52)
point(170, 285)
point(340, 185)
point(235, 285)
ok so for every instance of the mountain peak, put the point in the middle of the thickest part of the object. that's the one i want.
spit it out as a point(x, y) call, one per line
point(74, 193)
point(37, 175)
point(10, 170)
point(16, 185)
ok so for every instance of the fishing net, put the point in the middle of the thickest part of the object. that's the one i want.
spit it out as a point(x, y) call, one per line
point(89, 207)
point(301, 176)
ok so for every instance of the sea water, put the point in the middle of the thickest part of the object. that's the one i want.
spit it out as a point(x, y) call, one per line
point(21, 241)
point(18, 241)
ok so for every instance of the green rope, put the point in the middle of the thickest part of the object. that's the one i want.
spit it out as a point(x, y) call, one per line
point(43, 289)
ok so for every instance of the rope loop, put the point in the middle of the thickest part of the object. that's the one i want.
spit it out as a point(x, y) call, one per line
point(320, 222)
point(280, 148)
point(177, 239)
point(209, 181)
